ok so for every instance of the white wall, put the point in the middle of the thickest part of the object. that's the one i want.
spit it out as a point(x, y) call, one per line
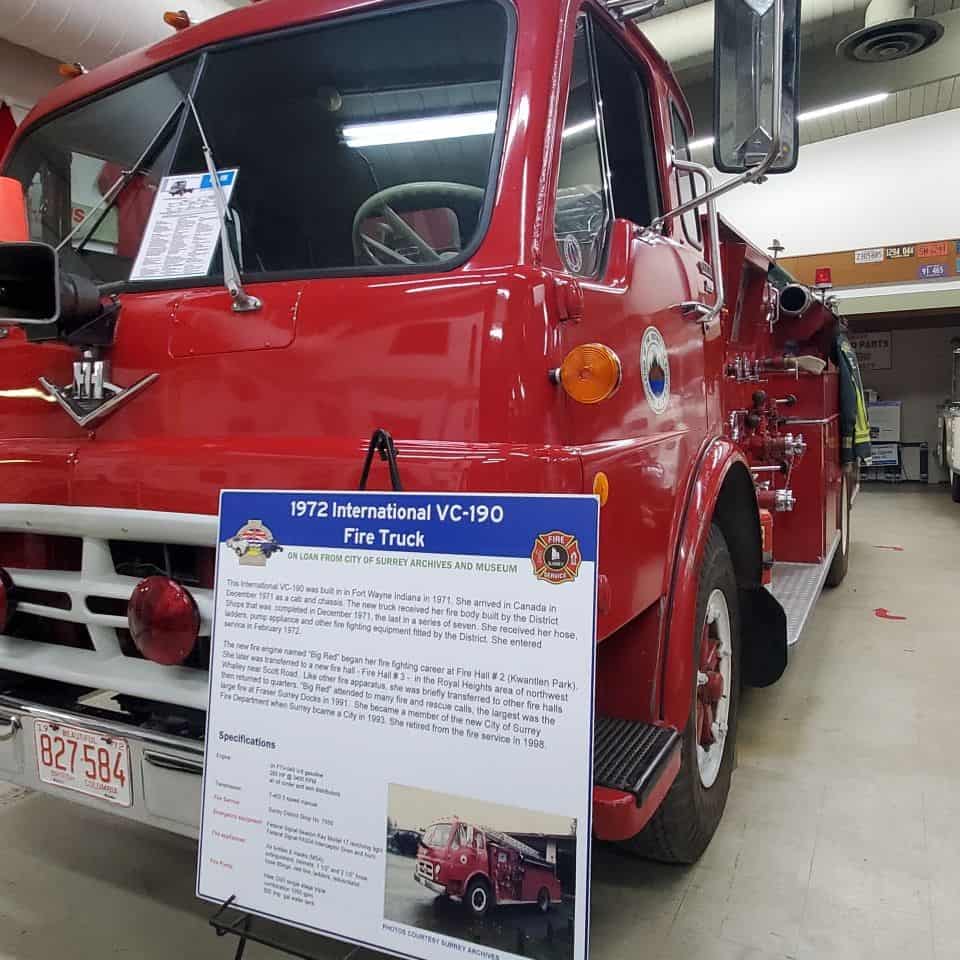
point(25, 77)
point(920, 378)
point(894, 184)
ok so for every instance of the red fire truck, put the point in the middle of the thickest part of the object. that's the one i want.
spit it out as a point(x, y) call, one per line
point(473, 225)
point(484, 868)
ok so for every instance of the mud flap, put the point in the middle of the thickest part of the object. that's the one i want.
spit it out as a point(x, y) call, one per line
point(764, 646)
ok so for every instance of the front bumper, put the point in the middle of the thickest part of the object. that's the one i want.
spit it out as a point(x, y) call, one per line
point(165, 771)
point(429, 884)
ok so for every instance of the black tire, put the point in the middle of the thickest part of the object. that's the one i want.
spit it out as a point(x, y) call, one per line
point(543, 900)
point(955, 486)
point(686, 821)
point(478, 898)
point(841, 559)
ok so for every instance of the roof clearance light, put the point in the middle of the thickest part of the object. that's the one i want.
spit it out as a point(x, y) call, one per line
point(70, 70)
point(8, 600)
point(178, 19)
point(164, 620)
point(448, 127)
point(589, 373)
point(816, 114)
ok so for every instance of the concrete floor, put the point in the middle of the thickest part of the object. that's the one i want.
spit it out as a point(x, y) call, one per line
point(841, 838)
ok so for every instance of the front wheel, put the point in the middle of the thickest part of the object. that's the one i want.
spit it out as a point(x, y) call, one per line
point(477, 898)
point(543, 900)
point(684, 824)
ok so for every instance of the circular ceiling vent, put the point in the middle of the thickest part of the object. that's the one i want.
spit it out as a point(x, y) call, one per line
point(890, 40)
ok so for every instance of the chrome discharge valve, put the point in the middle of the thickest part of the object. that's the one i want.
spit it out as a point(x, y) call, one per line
point(783, 500)
point(794, 445)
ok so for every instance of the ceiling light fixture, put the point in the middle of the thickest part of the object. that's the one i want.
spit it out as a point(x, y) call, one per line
point(580, 127)
point(811, 114)
point(447, 127)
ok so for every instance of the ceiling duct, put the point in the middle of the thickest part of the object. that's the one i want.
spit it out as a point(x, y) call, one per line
point(891, 31)
point(685, 37)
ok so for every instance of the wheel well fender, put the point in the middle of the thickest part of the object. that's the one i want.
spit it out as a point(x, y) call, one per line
point(722, 492)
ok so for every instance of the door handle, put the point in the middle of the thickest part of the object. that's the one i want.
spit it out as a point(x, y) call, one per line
point(695, 309)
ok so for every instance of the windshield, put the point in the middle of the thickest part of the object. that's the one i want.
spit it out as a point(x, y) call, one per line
point(363, 143)
point(438, 835)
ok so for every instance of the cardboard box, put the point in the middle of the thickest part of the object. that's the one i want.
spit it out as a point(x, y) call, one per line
point(884, 454)
point(884, 421)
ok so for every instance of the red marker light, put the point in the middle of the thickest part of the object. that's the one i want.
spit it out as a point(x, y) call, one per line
point(164, 620)
point(823, 277)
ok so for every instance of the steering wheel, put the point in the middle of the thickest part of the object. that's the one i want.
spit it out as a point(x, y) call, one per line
point(409, 196)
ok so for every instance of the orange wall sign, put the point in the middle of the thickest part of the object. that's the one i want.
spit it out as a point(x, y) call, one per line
point(939, 249)
point(906, 263)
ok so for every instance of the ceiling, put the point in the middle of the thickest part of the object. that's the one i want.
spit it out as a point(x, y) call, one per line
point(928, 82)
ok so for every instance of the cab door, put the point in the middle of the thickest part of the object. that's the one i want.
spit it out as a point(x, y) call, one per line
point(611, 185)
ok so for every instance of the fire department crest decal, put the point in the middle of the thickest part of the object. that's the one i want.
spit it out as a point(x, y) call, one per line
point(556, 557)
point(254, 544)
point(655, 369)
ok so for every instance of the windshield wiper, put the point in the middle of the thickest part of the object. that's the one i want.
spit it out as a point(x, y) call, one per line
point(243, 302)
point(116, 188)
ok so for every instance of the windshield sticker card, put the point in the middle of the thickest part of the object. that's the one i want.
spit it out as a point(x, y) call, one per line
point(399, 740)
point(184, 227)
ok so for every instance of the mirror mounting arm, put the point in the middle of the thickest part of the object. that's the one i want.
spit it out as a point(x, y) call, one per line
point(707, 314)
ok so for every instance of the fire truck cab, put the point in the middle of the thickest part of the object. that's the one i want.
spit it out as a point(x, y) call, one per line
point(473, 224)
point(484, 868)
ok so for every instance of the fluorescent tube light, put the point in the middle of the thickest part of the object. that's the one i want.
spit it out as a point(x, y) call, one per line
point(580, 127)
point(812, 114)
point(447, 127)
point(841, 107)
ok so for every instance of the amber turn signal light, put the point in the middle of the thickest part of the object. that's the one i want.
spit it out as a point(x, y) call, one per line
point(589, 373)
point(71, 70)
point(178, 19)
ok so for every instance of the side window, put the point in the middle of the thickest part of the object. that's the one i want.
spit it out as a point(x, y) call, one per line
point(685, 181)
point(582, 212)
point(628, 132)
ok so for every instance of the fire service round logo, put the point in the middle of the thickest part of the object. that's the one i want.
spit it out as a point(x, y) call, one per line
point(556, 557)
point(253, 543)
point(655, 369)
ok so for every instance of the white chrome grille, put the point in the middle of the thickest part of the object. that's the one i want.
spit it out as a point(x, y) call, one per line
point(104, 667)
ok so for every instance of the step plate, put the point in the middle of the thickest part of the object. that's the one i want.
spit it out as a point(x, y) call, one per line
point(628, 755)
point(797, 586)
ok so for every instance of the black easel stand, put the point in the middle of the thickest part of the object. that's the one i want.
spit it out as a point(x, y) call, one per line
point(243, 927)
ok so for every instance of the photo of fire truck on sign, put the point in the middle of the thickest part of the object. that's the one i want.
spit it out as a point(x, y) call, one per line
point(492, 874)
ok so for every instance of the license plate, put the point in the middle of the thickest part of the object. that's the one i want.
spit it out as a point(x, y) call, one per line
point(425, 869)
point(87, 762)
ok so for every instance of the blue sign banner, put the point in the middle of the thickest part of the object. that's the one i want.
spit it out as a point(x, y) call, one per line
point(933, 271)
point(486, 525)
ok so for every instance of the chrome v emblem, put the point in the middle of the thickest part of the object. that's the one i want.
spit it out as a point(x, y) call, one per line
point(91, 396)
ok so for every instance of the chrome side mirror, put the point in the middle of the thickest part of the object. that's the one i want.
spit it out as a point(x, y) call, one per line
point(756, 69)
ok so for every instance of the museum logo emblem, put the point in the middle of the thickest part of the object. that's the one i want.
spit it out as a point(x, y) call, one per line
point(655, 369)
point(253, 544)
point(556, 557)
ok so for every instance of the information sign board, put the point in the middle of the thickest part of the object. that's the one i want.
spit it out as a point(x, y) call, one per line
point(399, 736)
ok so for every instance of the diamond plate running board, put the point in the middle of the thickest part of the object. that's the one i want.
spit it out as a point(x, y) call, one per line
point(797, 586)
point(630, 756)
